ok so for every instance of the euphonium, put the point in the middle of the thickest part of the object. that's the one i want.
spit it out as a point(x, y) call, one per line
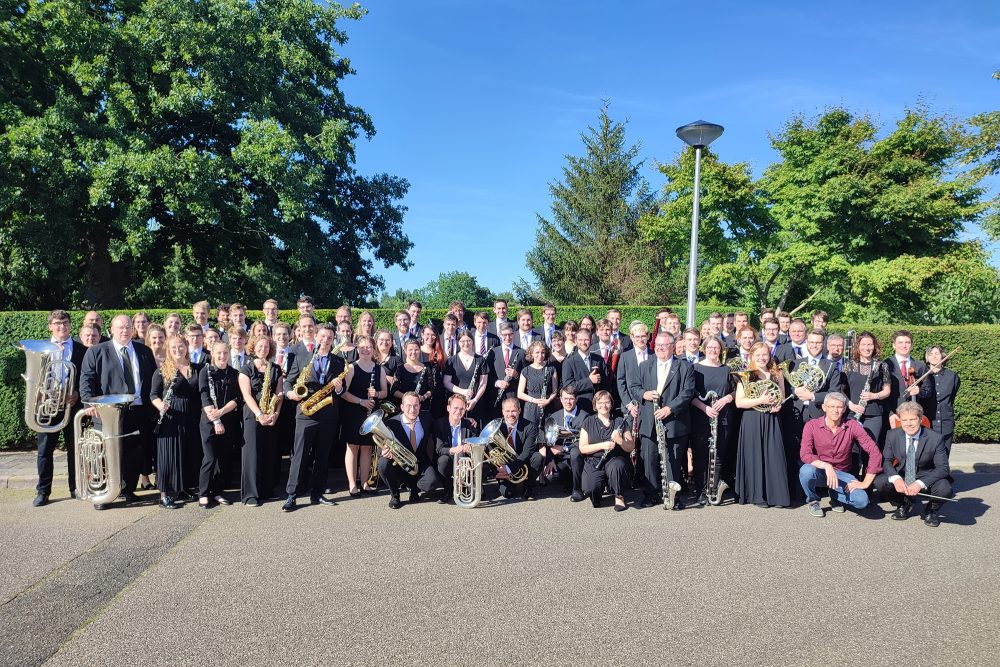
point(99, 450)
point(468, 474)
point(46, 393)
point(384, 438)
point(499, 453)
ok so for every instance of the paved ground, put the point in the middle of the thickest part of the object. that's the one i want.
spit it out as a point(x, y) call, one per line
point(544, 582)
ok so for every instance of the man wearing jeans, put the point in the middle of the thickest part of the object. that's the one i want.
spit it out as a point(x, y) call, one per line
point(826, 456)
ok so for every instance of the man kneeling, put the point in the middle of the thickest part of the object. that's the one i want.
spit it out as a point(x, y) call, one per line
point(826, 457)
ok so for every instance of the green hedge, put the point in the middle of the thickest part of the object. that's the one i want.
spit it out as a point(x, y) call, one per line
point(977, 407)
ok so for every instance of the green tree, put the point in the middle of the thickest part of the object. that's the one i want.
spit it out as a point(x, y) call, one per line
point(161, 152)
point(591, 250)
point(451, 286)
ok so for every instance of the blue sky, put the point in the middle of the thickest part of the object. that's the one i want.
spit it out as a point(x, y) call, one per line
point(477, 103)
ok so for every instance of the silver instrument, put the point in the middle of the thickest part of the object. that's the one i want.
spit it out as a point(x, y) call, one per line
point(499, 452)
point(48, 383)
point(670, 487)
point(715, 487)
point(863, 402)
point(99, 450)
point(384, 438)
point(468, 474)
point(546, 380)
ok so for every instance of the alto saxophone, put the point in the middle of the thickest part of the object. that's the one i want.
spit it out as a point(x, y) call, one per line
point(323, 396)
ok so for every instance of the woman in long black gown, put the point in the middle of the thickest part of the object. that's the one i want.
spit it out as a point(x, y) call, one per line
point(761, 474)
point(711, 375)
point(459, 373)
point(260, 431)
point(366, 386)
point(179, 403)
point(389, 362)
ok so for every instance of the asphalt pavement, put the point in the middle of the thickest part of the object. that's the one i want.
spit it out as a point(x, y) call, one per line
point(509, 583)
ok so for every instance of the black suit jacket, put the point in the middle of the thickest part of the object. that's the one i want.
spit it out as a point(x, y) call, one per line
point(628, 369)
point(932, 457)
point(492, 340)
point(677, 394)
point(831, 383)
point(102, 373)
point(786, 352)
point(441, 430)
point(425, 447)
point(492, 327)
point(525, 434)
point(335, 366)
point(398, 341)
point(897, 392)
point(495, 364)
point(624, 341)
point(576, 372)
point(534, 335)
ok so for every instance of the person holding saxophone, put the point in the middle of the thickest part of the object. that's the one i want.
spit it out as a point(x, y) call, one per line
point(260, 384)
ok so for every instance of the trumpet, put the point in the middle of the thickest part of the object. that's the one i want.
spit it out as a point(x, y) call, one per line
point(47, 392)
point(499, 452)
point(384, 438)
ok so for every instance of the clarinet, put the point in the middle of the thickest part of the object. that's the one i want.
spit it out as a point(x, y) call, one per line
point(863, 402)
point(420, 382)
point(371, 384)
point(541, 394)
point(475, 379)
point(500, 392)
point(167, 395)
point(607, 452)
point(211, 388)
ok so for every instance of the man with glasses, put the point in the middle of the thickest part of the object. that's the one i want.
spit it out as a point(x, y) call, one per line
point(73, 352)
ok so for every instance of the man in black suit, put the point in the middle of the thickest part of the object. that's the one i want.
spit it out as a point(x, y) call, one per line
point(525, 334)
point(904, 370)
point(483, 339)
point(618, 337)
point(628, 368)
point(450, 433)
point(769, 336)
point(72, 352)
point(314, 435)
point(500, 311)
point(548, 326)
point(123, 366)
point(306, 343)
point(583, 370)
point(414, 431)
point(413, 309)
point(692, 346)
point(402, 333)
point(915, 461)
point(504, 362)
point(563, 458)
point(667, 387)
point(521, 435)
point(796, 345)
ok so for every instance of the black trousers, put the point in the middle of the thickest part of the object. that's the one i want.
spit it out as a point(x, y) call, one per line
point(699, 448)
point(428, 478)
point(615, 474)
point(313, 439)
point(535, 464)
point(676, 451)
point(258, 473)
point(882, 489)
point(215, 453)
point(873, 426)
point(134, 446)
point(47, 444)
point(570, 469)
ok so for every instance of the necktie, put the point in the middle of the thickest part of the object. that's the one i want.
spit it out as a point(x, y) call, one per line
point(506, 357)
point(127, 367)
point(911, 460)
point(413, 436)
point(456, 431)
point(798, 350)
point(569, 417)
point(812, 362)
point(451, 347)
point(309, 346)
point(605, 355)
point(510, 437)
point(280, 360)
point(482, 345)
point(904, 369)
point(663, 368)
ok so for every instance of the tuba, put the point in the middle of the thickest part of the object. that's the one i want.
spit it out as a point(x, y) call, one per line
point(468, 474)
point(46, 393)
point(99, 450)
point(385, 439)
point(499, 453)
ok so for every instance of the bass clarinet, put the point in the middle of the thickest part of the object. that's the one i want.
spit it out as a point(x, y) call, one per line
point(716, 486)
point(670, 487)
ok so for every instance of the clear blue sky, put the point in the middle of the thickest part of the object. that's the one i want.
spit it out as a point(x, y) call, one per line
point(477, 103)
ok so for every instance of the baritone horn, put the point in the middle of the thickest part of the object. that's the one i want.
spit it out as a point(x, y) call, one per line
point(468, 474)
point(99, 450)
point(384, 439)
point(499, 453)
point(48, 383)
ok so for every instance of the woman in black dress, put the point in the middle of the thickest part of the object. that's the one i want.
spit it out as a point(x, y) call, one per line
point(178, 402)
point(606, 441)
point(389, 362)
point(946, 385)
point(761, 474)
point(867, 385)
point(218, 384)
point(537, 387)
point(259, 422)
point(557, 355)
point(366, 386)
point(460, 371)
point(711, 376)
point(413, 375)
point(345, 338)
point(432, 354)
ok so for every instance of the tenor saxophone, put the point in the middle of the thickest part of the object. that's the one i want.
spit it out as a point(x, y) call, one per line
point(268, 399)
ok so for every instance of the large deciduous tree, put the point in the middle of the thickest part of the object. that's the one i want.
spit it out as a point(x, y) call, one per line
point(591, 250)
point(157, 152)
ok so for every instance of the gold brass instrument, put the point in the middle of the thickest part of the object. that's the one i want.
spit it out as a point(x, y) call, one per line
point(736, 364)
point(810, 377)
point(468, 474)
point(758, 388)
point(268, 399)
point(46, 391)
point(99, 450)
point(323, 396)
point(384, 438)
point(301, 388)
point(499, 452)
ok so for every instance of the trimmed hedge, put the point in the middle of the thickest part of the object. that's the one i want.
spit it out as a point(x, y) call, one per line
point(977, 408)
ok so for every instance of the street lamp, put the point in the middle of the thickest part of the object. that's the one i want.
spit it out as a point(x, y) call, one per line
point(698, 134)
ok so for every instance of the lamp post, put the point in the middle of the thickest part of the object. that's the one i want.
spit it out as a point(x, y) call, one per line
point(698, 134)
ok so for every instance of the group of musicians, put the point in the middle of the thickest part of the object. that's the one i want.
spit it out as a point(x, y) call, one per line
point(581, 404)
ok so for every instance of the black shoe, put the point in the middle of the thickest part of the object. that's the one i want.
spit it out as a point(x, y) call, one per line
point(147, 487)
point(252, 502)
point(932, 519)
point(703, 498)
point(444, 498)
point(40, 499)
point(528, 494)
point(595, 498)
point(168, 503)
point(130, 499)
point(678, 505)
point(100, 506)
point(395, 503)
point(415, 496)
point(620, 508)
point(222, 500)
point(289, 505)
point(576, 497)
point(649, 501)
point(72, 494)
point(507, 494)
point(902, 512)
point(323, 500)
